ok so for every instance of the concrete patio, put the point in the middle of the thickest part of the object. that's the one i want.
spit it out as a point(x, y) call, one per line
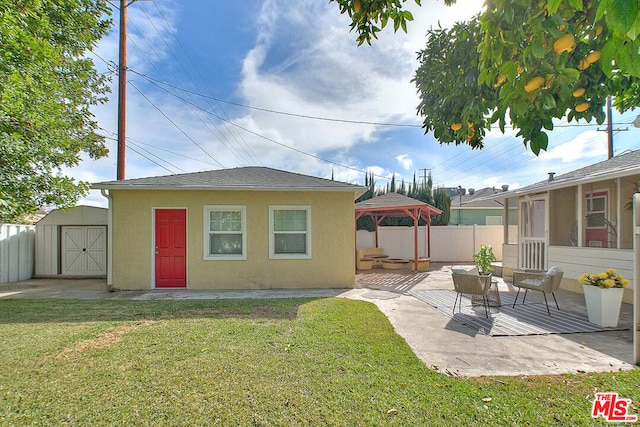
point(440, 342)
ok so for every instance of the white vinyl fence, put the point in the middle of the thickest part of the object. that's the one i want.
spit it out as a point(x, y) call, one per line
point(448, 243)
point(17, 252)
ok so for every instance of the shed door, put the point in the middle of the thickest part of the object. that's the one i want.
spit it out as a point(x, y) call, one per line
point(171, 248)
point(84, 250)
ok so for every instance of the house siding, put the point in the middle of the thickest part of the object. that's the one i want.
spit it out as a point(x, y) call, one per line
point(332, 239)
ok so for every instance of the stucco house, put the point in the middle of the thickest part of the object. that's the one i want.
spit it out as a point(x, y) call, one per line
point(580, 221)
point(241, 228)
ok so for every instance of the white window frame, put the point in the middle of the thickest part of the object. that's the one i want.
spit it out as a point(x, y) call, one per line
point(207, 232)
point(272, 243)
point(604, 195)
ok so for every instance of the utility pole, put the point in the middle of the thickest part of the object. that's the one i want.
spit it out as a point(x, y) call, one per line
point(610, 129)
point(122, 92)
point(424, 175)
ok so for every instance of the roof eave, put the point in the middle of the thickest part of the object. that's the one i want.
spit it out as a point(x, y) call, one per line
point(221, 188)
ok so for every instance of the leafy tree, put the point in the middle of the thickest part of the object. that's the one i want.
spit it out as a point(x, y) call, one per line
point(422, 192)
point(529, 60)
point(442, 200)
point(47, 86)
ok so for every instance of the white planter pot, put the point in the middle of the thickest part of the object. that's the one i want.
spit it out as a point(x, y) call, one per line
point(603, 305)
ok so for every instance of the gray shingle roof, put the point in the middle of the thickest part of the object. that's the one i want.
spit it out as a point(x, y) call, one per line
point(625, 164)
point(244, 178)
point(478, 199)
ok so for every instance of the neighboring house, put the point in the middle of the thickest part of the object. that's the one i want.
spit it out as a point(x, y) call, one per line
point(471, 207)
point(580, 221)
point(243, 228)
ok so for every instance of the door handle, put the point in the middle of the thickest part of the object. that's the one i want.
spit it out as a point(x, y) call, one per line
point(157, 253)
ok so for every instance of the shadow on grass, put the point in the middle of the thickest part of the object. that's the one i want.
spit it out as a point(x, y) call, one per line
point(65, 311)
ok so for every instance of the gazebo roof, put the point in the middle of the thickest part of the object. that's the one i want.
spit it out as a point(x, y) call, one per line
point(394, 204)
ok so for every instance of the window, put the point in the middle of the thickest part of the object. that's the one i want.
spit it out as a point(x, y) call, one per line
point(596, 210)
point(290, 232)
point(225, 236)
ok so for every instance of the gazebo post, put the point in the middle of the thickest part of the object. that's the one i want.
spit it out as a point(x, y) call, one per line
point(429, 232)
point(394, 205)
point(415, 240)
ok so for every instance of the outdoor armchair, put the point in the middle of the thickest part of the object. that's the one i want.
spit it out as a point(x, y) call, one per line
point(471, 284)
point(545, 282)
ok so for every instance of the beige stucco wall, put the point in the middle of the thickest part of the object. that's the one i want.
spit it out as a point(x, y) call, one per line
point(332, 239)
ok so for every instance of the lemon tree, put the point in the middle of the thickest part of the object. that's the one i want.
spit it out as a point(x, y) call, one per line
point(534, 61)
point(454, 107)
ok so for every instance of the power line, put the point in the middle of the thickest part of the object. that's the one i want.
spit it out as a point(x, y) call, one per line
point(143, 156)
point(223, 139)
point(176, 125)
point(273, 140)
point(245, 147)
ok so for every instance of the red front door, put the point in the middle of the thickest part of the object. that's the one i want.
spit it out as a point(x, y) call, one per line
point(171, 248)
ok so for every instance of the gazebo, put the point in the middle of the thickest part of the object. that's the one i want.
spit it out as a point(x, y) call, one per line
point(394, 205)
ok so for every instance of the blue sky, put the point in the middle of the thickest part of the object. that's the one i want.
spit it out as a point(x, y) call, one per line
point(196, 66)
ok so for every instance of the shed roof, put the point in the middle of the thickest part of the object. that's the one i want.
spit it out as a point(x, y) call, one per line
point(78, 215)
point(243, 178)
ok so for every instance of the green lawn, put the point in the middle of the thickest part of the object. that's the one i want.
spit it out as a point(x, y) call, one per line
point(254, 362)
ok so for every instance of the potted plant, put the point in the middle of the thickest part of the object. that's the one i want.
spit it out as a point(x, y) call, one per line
point(484, 258)
point(603, 296)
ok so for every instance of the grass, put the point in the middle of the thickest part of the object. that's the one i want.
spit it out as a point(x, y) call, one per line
point(254, 362)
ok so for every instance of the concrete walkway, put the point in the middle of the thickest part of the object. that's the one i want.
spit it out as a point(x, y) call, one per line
point(440, 342)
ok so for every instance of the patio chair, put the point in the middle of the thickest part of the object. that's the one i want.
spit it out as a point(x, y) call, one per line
point(545, 282)
point(471, 284)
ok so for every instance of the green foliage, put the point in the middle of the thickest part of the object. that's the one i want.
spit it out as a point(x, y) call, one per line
point(447, 80)
point(423, 192)
point(368, 17)
point(442, 200)
point(47, 86)
point(484, 258)
point(482, 72)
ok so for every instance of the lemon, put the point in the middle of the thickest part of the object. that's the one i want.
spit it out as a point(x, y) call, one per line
point(501, 80)
point(582, 107)
point(584, 64)
point(578, 92)
point(564, 43)
point(593, 56)
point(456, 126)
point(534, 84)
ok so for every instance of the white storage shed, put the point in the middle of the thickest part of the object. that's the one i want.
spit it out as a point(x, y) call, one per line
point(72, 242)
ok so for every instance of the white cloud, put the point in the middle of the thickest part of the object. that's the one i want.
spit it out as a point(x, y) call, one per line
point(405, 161)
